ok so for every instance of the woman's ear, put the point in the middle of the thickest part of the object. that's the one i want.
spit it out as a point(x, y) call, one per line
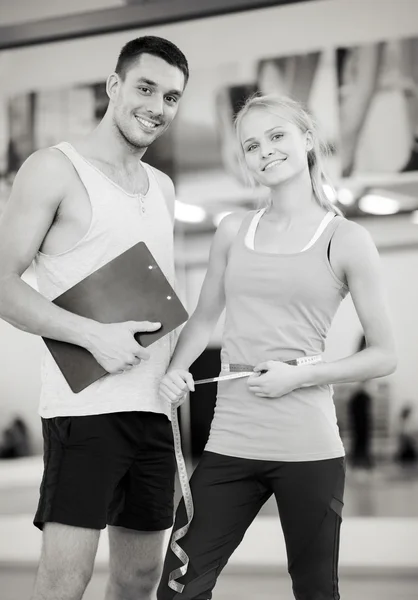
point(309, 140)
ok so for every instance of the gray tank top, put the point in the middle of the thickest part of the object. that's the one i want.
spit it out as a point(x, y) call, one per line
point(278, 307)
point(119, 220)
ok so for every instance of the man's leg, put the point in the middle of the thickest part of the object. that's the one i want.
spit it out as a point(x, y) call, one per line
point(135, 563)
point(142, 508)
point(227, 495)
point(85, 458)
point(66, 563)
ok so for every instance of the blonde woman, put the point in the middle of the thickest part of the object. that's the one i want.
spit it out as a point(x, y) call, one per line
point(281, 272)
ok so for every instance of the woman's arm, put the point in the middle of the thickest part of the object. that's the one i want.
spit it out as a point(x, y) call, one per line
point(354, 256)
point(196, 334)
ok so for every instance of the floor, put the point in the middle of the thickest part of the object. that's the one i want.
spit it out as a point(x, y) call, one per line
point(387, 491)
point(16, 584)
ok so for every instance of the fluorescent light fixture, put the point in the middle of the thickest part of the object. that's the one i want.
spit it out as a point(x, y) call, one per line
point(189, 213)
point(345, 196)
point(218, 218)
point(378, 205)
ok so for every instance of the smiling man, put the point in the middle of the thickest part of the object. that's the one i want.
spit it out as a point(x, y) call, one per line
point(109, 456)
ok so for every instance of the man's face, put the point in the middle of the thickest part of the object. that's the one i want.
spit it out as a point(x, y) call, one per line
point(146, 100)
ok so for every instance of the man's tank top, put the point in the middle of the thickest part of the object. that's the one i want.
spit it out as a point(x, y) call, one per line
point(278, 307)
point(119, 221)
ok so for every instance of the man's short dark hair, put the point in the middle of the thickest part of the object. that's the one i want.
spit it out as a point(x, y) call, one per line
point(150, 44)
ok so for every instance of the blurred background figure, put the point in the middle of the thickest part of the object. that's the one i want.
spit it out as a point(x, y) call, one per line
point(15, 440)
point(361, 423)
point(407, 449)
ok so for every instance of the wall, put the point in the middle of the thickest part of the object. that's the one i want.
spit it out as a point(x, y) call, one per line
point(295, 28)
point(18, 11)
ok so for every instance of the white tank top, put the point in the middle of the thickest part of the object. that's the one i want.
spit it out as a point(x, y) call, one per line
point(119, 221)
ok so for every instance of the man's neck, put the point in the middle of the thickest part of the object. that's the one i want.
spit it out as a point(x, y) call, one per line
point(106, 144)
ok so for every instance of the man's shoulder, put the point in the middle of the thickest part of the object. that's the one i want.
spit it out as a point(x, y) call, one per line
point(45, 173)
point(46, 161)
point(164, 180)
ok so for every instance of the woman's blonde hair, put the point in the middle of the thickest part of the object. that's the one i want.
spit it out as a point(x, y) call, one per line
point(301, 117)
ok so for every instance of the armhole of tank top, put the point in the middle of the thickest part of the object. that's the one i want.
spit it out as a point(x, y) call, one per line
point(328, 255)
point(152, 176)
point(77, 171)
point(249, 236)
point(73, 163)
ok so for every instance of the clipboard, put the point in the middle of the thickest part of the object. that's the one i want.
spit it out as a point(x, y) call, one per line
point(131, 287)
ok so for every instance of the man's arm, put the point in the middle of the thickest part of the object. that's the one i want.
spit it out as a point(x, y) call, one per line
point(40, 186)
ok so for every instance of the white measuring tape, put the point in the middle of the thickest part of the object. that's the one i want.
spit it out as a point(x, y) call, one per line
point(188, 503)
point(235, 371)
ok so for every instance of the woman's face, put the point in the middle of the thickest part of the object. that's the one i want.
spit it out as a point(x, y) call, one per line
point(275, 149)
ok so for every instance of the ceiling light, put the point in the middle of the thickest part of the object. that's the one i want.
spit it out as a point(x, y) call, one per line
point(189, 213)
point(378, 205)
point(345, 196)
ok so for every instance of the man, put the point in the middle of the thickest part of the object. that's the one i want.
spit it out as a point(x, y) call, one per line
point(108, 450)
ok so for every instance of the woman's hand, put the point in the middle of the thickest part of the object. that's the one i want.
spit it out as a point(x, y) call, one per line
point(175, 385)
point(273, 379)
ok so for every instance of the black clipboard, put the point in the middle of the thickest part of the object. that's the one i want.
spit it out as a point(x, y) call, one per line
point(131, 287)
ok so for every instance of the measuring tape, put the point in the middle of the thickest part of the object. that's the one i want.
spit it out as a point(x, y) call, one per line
point(235, 371)
point(188, 503)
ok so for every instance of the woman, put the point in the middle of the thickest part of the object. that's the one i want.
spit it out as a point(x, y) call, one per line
point(281, 272)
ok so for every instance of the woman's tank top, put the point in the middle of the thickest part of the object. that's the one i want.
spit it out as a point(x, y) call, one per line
point(278, 307)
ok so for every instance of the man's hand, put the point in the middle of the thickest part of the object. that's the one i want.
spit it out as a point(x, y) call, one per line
point(175, 385)
point(273, 379)
point(114, 346)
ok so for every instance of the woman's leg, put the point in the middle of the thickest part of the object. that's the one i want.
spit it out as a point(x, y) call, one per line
point(227, 496)
point(309, 496)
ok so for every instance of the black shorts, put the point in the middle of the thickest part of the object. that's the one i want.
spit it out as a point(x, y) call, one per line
point(228, 493)
point(111, 469)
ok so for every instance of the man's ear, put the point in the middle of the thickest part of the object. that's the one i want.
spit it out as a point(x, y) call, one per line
point(112, 85)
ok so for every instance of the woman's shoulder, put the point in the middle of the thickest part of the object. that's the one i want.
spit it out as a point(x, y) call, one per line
point(229, 228)
point(352, 242)
point(350, 232)
point(231, 223)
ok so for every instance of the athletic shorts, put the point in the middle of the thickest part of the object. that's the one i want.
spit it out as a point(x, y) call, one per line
point(229, 492)
point(111, 469)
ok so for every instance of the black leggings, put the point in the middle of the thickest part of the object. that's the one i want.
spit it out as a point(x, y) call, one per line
point(228, 493)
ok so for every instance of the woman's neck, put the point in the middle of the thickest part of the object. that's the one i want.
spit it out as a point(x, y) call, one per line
point(294, 199)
